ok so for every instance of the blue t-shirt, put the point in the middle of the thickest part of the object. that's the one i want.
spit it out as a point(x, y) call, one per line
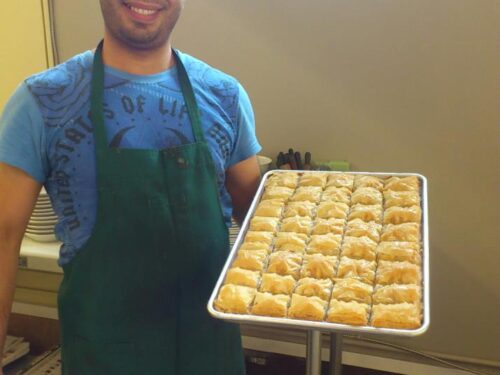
point(45, 130)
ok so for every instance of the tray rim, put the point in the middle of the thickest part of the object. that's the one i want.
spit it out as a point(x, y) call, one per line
point(327, 326)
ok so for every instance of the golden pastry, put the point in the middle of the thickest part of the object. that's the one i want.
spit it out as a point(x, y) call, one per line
point(309, 308)
point(325, 226)
point(277, 284)
point(409, 183)
point(366, 195)
point(240, 276)
point(311, 287)
point(340, 180)
point(326, 244)
point(334, 194)
point(401, 315)
point(277, 192)
point(255, 246)
point(399, 252)
point(328, 210)
point(313, 179)
point(307, 193)
point(296, 224)
point(398, 215)
point(352, 290)
point(304, 209)
point(318, 266)
point(290, 241)
point(269, 208)
point(264, 224)
point(252, 260)
point(366, 212)
point(352, 313)
point(285, 263)
point(401, 198)
point(397, 273)
point(359, 248)
point(360, 228)
point(267, 304)
point(285, 179)
point(235, 299)
point(406, 232)
point(257, 236)
point(368, 181)
point(396, 293)
point(360, 269)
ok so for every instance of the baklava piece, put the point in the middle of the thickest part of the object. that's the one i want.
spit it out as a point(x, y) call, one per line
point(352, 313)
point(235, 299)
point(252, 246)
point(313, 179)
point(325, 226)
point(263, 237)
point(252, 260)
point(311, 287)
point(366, 212)
point(397, 273)
point(307, 193)
point(360, 228)
point(392, 294)
point(326, 244)
point(334, 194)
point(308, 308)
point(277, 284)
point(360, 269)
point(352, 290)
point(406, 232)
point(366, 195)
point(399, 215)
point(290, 241)
point(277, 192)
point(296, 224)
point(329, 210)
point(240, 276)
point(318, 266)
point(409, 183)
point(269, 208)
point(368, 181)
point(401, 315)
point(264, 224)
point(399, 252)
point(401, 198)
point(268, 304)
point(359, 248)
point(305, 209)
point(340, 180)
point(284, 179)
point(285, 263)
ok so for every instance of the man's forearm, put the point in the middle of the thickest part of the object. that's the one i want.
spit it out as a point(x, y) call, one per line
point(8, 267)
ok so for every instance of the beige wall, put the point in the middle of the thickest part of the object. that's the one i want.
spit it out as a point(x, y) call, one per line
point(401, 85)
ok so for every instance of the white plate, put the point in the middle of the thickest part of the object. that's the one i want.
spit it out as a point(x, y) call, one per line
point(42, 237)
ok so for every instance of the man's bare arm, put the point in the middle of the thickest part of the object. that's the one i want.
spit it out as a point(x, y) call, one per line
point(18, 194)
point(242, 181)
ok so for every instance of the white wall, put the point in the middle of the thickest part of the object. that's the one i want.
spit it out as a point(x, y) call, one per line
point(390, 85)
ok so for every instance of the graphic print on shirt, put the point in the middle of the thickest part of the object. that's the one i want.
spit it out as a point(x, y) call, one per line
point(139, 114)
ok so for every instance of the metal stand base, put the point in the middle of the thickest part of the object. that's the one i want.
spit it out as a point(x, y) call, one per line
point(335, 354)
point(313, 354)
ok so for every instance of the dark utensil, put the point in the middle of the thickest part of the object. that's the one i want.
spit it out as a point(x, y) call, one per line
point(291, 159)
point(307, 161)
point(298, 160)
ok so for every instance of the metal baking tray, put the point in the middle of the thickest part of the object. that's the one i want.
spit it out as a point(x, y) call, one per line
point(326, 326)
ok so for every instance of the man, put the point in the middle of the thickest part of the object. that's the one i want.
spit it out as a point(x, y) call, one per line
point(144, 151)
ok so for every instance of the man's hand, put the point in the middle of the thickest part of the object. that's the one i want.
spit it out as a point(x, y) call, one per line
point(242, 181)
point(18, 195)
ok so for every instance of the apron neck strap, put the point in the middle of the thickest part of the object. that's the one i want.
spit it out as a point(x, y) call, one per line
point(97, 95)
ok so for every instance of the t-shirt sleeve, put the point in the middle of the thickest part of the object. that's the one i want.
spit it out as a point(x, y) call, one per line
point(246, 144)
point(22, 138)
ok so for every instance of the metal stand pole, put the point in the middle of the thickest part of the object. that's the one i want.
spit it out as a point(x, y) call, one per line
point(335, 354)
point(313, 354)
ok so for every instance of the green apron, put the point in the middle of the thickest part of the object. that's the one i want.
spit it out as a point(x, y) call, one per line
point(133, 300)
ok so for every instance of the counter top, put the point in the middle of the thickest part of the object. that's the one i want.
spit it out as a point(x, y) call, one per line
point(40, 255)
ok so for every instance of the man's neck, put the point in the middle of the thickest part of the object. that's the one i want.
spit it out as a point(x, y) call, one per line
point(133, 61)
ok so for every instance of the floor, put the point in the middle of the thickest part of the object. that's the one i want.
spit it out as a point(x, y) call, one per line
point(264, 364)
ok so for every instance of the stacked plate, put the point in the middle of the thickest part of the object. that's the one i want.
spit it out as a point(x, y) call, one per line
point(43, 219)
